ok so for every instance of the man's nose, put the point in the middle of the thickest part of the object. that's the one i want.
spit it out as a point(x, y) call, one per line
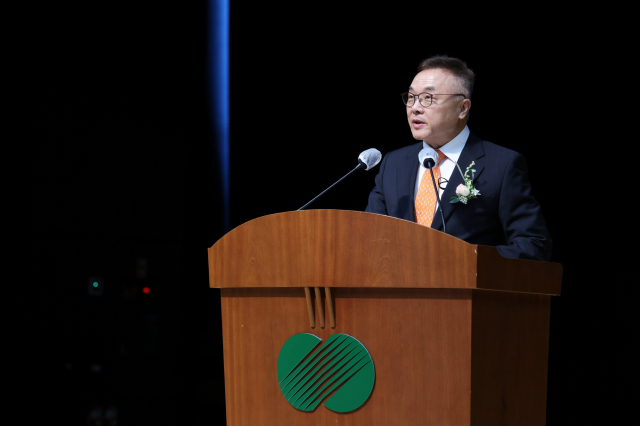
point(417, 108)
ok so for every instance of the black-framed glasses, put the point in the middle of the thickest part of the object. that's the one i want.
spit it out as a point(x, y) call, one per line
point(425, 99)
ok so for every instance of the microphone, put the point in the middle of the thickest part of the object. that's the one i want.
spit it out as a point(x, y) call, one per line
point(366, 160)
point(369, 158)
point(428, 157)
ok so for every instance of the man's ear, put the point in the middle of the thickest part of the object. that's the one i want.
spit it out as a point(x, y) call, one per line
point(464, 109)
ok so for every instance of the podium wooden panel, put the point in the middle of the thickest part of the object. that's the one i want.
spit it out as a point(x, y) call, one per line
point(458, 335)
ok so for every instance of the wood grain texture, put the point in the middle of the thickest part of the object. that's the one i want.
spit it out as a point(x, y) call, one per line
point(510, 349)
point(335, 248)
point(531, 276)
point(419, 340)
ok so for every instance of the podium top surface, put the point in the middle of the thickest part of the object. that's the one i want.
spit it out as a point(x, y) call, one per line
point(338, 248)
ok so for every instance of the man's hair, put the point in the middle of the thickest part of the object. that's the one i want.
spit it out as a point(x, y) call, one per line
point(453, 66)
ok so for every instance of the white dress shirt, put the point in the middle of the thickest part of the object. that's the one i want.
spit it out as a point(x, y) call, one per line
point(452, 150)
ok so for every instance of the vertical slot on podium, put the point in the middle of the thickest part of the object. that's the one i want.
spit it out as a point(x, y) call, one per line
point(312, 317)
point(332, 316)
point(320, 308)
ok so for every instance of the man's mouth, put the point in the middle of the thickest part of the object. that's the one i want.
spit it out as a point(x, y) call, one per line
point(418, 124)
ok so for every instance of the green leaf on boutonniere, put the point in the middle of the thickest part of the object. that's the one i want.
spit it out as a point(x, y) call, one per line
point(454, 200)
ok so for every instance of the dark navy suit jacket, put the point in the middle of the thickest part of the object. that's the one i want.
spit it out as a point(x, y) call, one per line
point(505, 214)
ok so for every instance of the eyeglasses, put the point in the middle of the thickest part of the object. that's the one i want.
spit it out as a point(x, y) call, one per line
point(425, 99)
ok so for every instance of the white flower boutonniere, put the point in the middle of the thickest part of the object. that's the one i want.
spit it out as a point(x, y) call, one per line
point(466, 191)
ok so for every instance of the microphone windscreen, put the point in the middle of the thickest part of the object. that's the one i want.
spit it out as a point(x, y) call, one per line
point(428, 153)
point(371, 157)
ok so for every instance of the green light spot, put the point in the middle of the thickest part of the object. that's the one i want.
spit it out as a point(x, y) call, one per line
point(95, 284)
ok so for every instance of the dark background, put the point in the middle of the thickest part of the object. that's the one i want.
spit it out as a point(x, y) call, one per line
point(124, 173)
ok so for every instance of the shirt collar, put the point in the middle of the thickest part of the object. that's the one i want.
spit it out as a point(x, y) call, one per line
point(453, 148)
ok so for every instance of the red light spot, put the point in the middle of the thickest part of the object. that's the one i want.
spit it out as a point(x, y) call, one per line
point(146, 290)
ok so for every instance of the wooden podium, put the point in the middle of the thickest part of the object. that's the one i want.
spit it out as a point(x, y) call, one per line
point(458, 334)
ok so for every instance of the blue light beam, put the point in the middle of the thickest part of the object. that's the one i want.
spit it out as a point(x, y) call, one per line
point(219, 87)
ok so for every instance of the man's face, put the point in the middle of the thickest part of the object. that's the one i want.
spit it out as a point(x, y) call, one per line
point(445, 118)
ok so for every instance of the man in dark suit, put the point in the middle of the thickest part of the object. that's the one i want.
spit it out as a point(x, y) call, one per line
point(503, 214)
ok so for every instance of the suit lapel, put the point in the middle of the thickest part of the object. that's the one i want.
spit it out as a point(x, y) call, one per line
point(472, 151)
point(408, 172)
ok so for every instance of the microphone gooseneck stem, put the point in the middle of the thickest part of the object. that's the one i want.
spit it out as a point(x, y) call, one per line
point(435, 188)
point(359, 166)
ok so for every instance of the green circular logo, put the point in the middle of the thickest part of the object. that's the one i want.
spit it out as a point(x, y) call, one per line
point(340, 370)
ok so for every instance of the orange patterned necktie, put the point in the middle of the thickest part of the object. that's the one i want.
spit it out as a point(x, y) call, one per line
point(426, 200)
